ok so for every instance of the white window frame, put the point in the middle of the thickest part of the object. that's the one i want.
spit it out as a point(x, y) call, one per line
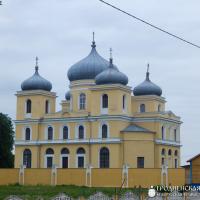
point(80, 155)
point(49, 106)
point(61, 157)
point(100, 130)
point(124, 101)
point(61, 132)
point(164, 132)
point(46, 132)
point(45, 159)
point(24, 133)
point(104, 111)
point(79, 102)
point(77, 131)
point(27, 115)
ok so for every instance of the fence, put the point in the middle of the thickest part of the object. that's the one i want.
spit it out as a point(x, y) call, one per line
point(92, 177)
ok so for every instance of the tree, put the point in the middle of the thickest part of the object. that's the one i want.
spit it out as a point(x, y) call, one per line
point(6, 142)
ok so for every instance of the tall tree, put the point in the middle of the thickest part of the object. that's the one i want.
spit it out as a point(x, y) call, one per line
point(6, 142)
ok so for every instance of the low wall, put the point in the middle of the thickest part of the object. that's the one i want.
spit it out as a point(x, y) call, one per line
point(93, 177)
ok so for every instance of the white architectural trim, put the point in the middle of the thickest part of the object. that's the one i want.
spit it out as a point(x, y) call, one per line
point(61, 131)
point(77, 131)
point(49, 106)
point(104, 111)
point(24, 133)
point(72, 141)
point(100, 129)
point(45, 159)
point(79, 95)
point(80, 155)
point(46, 132)
point(167, 142)
point(61, 157)
point(99, 155)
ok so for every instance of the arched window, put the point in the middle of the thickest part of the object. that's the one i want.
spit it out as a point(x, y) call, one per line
point(142, 108)
point(105, 101)
point(104, 131)
point(27, 158)
point(49, 157)
point(175, 135)
point(64, 158)
point(82, 100)
point(163, 152)
point(104, 158)
point(27, 134)
point(65, 151)
point(80, 157)
point(28, 106)
point(81, 132)
point(159, 108)
point(176, 153)
point(47, 108)
point(169, 152)
point(124, 102)
point(50, 133)
point(65, 133)
point(163, 132)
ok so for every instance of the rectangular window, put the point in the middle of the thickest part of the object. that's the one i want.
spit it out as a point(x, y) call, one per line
point(176, 163)
point(80, 162)
point(64, 162)
point(49, 162)
point(175, 136)
point(140, 162)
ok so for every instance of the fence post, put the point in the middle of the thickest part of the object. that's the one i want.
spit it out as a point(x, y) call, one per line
point(164, 171)
point(125, 176)
point(54, 175)
point(21, 174)
point(88, 178)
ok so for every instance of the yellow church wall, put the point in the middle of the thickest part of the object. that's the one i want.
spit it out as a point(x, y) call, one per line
point(114, 154)
point(19, 155)
point(37, 177)
point(38, 104)
point(144, 177)
point(138, 145)
point(71, 177)
point(169, 159)
point(106, 178)
point(9, 176)
point(151, 103)
point(176, 177)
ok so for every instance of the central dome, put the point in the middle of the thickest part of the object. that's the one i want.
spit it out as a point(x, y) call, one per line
point(89, 67)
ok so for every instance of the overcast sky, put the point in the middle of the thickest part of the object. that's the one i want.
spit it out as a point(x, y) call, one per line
point(60, 33)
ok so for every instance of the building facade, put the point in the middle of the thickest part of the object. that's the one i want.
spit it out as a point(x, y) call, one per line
point(102, 123)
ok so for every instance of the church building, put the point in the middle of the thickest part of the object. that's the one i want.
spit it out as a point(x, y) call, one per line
point(103, 122)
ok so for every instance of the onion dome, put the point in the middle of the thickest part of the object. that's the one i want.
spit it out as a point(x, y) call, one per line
point(147, 87)
point(67, 96)
point(111, 76)
point(88, 67)
point(36, 82)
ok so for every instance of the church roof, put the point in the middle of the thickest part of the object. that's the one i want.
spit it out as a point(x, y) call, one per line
point(36, 82)
point(89, 67)
point(136, 128)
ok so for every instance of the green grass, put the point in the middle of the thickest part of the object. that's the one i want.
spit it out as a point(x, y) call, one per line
point(47, 192)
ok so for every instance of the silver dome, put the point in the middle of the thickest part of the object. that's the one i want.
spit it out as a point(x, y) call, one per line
point(111, 76)
point(147, 88)
point(67, 96)
point(36, 82)
point(88, 67)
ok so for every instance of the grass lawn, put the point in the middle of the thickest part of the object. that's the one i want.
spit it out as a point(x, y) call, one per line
point(47, 192)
